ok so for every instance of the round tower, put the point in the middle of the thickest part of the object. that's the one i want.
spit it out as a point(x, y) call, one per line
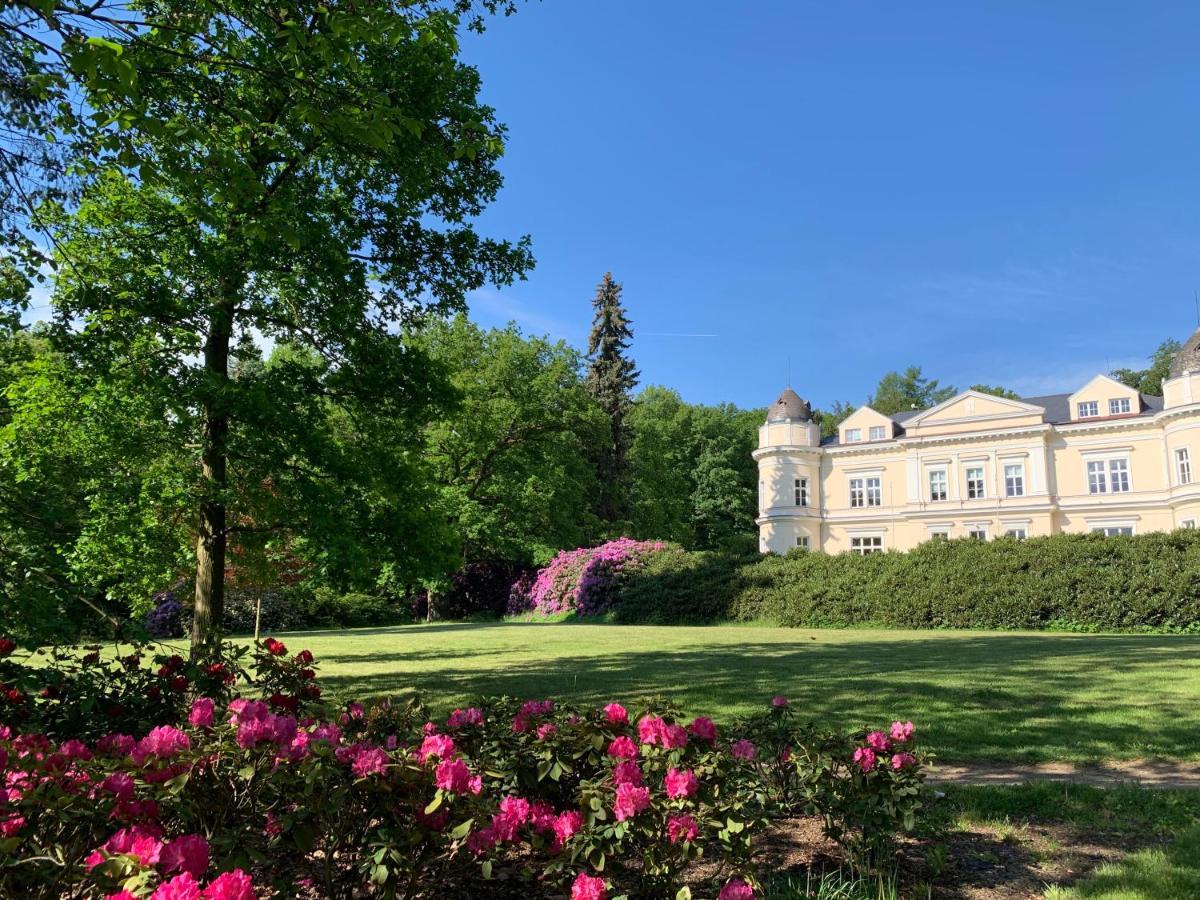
point(789, 476)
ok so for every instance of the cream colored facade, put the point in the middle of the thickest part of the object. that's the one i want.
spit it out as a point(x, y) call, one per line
point(1104, 458)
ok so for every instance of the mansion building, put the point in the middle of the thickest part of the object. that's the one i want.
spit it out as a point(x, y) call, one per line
point(1104, 459)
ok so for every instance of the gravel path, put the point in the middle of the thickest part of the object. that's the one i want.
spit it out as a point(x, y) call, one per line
point(1142, 772)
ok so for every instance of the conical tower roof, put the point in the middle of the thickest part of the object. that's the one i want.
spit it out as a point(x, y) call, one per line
point(790, 405)
point(1188, 357)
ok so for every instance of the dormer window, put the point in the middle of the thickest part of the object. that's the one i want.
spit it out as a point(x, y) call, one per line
point(1119, 406)
point(878, 433)
point(1089, 409)
point(853, 435)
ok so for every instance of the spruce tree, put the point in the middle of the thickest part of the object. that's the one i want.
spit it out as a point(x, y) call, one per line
point(611, 379)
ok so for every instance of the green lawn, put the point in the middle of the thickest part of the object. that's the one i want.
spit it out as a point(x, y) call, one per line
point(974, 695)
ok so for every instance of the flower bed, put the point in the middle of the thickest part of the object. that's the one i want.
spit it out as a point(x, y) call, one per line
point(287, 796)
point(583, 580)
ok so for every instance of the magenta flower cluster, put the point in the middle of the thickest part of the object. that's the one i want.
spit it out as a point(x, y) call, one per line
point(582, 580)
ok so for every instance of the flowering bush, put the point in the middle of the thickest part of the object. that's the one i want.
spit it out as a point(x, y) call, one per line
point(584, 580)
point(568, 801)
point(165, 620)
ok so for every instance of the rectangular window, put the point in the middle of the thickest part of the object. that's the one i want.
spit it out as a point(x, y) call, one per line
point(975, 490)
point(1118, 407)
point(1114, 530)
point(977, 533)
point(1089, 410)
point(853, 435)
point(802, 541)
point(1188, 523)
point(857, 494)
point(1183, 466)
point(1018, 533)
point(1097, 483)
point(1118, 476)
point(937, 484)
point(865, 545)
point(1014, 480)
point(874, 492)
point(939, 535)
point(878, 433)
point(801, 486)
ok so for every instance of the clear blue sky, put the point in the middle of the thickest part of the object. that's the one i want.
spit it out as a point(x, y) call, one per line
point(997, 191)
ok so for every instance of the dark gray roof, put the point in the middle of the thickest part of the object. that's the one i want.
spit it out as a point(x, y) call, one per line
point(1057, 407)
point(1188, 357)
point(789, 406)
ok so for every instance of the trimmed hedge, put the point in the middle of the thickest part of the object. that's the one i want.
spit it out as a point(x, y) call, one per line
point(1082, 582)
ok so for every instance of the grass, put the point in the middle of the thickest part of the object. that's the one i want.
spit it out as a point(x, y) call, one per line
point(975, 695)
point(1170, 873)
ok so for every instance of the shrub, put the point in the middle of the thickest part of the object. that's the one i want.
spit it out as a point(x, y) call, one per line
point(165, 620)
point(480, 590)
point(557, 799)
point(1082, 582)
point(587, 580)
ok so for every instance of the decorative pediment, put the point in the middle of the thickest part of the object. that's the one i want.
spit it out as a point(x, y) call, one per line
point(860, 422)
point(971, 406)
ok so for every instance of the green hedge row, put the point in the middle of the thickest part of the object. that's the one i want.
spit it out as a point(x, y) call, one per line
point(1080, 582)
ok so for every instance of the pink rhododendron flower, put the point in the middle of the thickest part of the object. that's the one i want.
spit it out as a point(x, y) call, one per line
point(627, 772)
point(74, 749)
point(439, 745)
point(187, 853)
point(682, 828)
point(139, 842)
point(743, 749)
point(631, 800)
point(878, 741)
point(547, 730)
point(673, 736)
point(736, 889)
point(235, 885)
point(650, 729)
point(201, 715)
point(585, 887)
point(356, 710)
point(703, 729)
point(616, 714)
point(680, 783)
point(865, 758)
point(119, 784)
point(779, 701)
point(623, 748)
point(902, 732)
point(11, 826)
point(461, 718)
point(566, 826)
point(373, 761)
point(454, 776)
point(514, 812)
point(181, 887)
point(243, 710)
point(903, 761)
point(163, 742)
point(116, 744)
point(537, 708)
point(481, 840)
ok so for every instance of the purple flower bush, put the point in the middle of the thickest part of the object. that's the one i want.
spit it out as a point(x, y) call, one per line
point(165, 620)
point(583, 580)
point(291, 795)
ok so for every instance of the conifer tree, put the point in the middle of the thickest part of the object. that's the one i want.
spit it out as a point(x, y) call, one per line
point(611, 379)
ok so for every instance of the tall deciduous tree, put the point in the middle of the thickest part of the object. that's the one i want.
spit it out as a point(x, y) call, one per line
point(305, 172)
point(1149, 380)
point(903, 391)
point(508, 461)
point(611, 379)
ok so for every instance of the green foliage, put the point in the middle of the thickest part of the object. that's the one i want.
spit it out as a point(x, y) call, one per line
point(611, 378)
point(1149, 381)
point(903, 391)
point(1080, 582)
point(507, 461)
point(831, 419)
point(693, 477)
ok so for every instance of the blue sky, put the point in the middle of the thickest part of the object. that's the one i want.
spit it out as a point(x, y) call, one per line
point(997, 191)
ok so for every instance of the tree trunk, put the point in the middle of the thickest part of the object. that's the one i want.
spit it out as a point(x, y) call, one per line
point(211, 540)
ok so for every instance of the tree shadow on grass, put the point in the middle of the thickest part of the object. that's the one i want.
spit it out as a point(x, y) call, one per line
point(982, 696)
